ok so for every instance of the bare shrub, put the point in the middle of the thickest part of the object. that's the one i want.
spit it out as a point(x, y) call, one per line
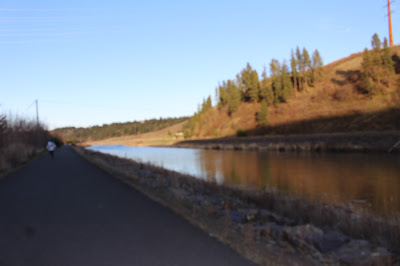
point(342, 94)
point(20, 140)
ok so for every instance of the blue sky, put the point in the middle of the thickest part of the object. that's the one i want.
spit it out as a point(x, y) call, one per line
point(95, 62)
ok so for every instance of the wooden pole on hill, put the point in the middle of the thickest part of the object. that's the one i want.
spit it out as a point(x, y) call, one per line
point(390, 24)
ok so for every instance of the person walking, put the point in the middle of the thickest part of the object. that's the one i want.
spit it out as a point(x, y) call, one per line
point(51, 146)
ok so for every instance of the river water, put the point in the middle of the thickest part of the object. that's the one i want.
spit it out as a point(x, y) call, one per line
point(368, 180)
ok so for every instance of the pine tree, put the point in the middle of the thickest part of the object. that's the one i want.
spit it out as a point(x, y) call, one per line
point(376, 42)
point(233, 96)
point(277, 86)
point(316, 66)
point(300, 60)
point(264, 74)
point(376, 73)
point(208, 103)
point(266, 91)
point(262, 116)
point(306, 67)
point(295, 73)
point(251, 82)
point(387, 64)
point(223, 95)
point(287, 86)
point(241, 87)
point(367, 72)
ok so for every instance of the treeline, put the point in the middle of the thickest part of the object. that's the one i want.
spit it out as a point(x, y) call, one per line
point(20, 140)
point(378, 70)
point(72, 134)
point(281, 83)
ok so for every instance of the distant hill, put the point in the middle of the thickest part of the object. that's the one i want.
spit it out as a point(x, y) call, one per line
point(72, 134)
point(335, 103)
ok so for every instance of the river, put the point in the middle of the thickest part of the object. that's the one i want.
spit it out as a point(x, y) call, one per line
point(368, 180)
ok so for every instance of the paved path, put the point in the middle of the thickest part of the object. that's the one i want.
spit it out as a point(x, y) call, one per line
point(68, 212)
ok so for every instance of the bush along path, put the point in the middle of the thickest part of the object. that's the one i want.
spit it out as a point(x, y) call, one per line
point(266, 227)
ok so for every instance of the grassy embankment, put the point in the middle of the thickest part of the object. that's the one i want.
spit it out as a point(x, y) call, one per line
point(265, 226)
point(21, 140)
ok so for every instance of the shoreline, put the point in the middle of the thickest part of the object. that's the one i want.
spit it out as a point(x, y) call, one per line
point(329, 142)
point(264, 226)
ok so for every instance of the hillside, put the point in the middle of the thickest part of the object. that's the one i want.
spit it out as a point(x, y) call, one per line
point(161, 137)
point(116, 130)
point(336, 103)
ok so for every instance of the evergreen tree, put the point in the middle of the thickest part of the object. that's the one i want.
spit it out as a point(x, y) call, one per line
point(233, 96)
point(277, 86)
point(316, 66)
point(208, 103)
point(367, 72)
point(287, 86)
point(251, 82)
point(300, 61)
point(306, 67)
point(376, 73)
point(264, 74)
point(387, 64)
point(295, 73)
point(376, 42)
point(266, 91)
point(262, 116)
point(241, 87)
point(223, 95)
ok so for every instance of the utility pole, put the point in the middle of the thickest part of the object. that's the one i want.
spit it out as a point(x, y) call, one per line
point(37, 113)
point(390, 23)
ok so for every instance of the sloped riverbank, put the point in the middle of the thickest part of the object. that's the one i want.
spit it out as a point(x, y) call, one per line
point(265, 226)
point(337, 142)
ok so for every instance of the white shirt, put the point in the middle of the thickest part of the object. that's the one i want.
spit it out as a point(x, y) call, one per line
point(51, 146)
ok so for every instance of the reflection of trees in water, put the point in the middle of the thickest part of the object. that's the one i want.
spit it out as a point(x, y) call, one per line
point(236, 168)
point(340, 180)
point(332, 178)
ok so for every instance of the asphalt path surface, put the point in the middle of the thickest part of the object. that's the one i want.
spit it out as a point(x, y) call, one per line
point(66, 211)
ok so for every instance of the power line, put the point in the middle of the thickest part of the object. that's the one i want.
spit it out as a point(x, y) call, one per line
point(92, 105)
point(30, 106)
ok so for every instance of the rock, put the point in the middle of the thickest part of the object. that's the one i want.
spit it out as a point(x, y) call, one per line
point(251, 214)
point(361, 252)
point(275, 231)
point(237, 217)
point(303, 235)
point(261, 230)
point(273, 217)
point(264, 213)
point(330, 240)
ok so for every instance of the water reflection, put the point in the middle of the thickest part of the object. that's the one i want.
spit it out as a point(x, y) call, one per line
point(370, 180)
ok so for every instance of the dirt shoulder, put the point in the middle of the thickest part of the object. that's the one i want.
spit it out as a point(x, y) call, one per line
point(264, 226)
point(346, 142)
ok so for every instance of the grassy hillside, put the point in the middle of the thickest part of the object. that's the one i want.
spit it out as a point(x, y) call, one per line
point(336, 103)
point(115, 130)
point(166, 136)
